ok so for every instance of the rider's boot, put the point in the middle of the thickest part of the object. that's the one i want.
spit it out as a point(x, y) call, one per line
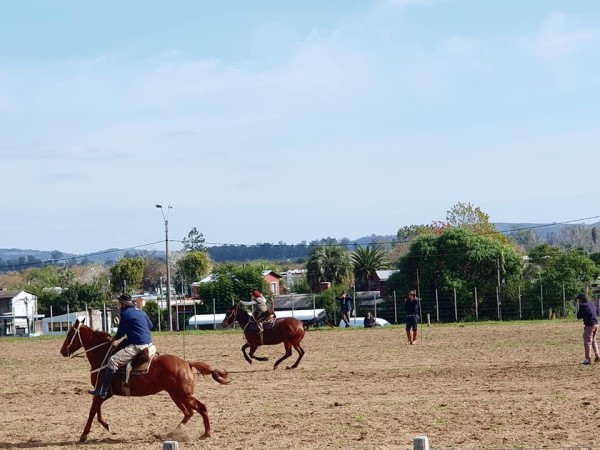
point(102, 391)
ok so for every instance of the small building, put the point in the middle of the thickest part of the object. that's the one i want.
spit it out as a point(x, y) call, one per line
point(378, 280)
point(94, 318)
point(270, 277)
point(18, 313)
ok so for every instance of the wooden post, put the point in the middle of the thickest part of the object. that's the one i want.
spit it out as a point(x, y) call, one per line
point(437, 306)
point(428, 319)
point(564, 302)
point(421, 443)
point(455, 307)
point(498, 302)
point(520, 309)
point(395, 309)
point(476, 305)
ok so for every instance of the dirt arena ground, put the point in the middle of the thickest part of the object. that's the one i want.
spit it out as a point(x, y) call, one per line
point(512, 385)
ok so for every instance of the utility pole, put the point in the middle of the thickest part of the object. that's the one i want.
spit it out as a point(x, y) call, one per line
point(166, 219)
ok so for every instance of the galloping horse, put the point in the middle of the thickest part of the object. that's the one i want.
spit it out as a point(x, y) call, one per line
point(289, 330)
point(166, 373)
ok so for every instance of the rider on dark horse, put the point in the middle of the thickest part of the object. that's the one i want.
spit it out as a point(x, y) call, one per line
point(136, 325)
point(261, 311)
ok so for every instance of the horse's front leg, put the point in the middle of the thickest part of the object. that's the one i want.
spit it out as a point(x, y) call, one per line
point(258, 358)
point(95, 408)
point(244, 347)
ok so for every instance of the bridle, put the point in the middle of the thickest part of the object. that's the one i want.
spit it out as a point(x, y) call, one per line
point(231, 315)
point(78, 334)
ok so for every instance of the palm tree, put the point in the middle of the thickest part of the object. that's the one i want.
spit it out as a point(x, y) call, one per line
point(328, 263)
point(366, 261)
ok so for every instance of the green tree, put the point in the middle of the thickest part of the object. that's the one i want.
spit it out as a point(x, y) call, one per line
point(557, 271)
point(466, 215)
point(192, 267)
point(130, 270)
point(151, 309)
point(194, 242)
point(329, 263)
point(458, 259)
point(77, 296)
point(366, 261)
point(37, 279)
point(153, 270)
point(230, 284)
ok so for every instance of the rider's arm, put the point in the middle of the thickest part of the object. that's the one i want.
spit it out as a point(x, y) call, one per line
point(250, 303)
point(123, 324)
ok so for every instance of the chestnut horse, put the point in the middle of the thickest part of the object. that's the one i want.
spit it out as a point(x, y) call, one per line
point(288, 330)
point(167, 373)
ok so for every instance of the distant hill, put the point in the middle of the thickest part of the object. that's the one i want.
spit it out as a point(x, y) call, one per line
point(586, 236)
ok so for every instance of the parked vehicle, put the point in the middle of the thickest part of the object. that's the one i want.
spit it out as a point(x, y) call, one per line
point(359, 322)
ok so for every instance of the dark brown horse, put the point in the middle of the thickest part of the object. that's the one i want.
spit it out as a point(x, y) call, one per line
point(289, 330)
point(167, 373)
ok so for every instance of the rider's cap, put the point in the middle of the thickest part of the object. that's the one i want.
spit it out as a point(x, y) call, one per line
point(581, 296)
point(125, 299)
point(256, 294)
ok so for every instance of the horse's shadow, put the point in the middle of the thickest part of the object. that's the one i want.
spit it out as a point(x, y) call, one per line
point(32, 443)
point(250, 371)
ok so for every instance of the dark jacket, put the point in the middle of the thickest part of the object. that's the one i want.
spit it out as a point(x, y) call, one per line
point(587, 312)
point(411, 308)
point(135, 324)
point(346, 303)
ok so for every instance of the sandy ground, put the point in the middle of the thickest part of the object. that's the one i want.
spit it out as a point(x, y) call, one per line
point(516, 385)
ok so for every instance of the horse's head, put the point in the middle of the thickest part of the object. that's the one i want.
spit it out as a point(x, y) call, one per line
point(73, 340)
point(230, 316)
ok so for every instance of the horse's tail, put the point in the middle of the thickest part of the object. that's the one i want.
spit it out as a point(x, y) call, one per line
point(220, 376)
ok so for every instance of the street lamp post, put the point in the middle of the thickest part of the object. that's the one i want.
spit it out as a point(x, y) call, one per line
point(166, 219)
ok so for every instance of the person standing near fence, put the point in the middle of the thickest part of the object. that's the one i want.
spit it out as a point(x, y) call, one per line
point(587, 312)
point(411, 308)
point(345, 307)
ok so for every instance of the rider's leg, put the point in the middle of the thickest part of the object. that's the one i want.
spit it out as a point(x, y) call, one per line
point(102, 391)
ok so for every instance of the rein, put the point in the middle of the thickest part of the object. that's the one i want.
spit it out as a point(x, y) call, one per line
point(77, 333)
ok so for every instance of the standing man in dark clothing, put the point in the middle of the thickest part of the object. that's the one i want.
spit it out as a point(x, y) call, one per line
point(587, 312)
point(346, 307)
point(136, 325)
point(411, 308)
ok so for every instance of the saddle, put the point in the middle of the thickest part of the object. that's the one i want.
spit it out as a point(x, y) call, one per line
point(140, 365)
point(262, 325)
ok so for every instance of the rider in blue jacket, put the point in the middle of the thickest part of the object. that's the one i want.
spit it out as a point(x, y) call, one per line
point(134, 324)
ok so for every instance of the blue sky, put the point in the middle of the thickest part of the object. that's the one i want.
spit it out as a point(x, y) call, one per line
point(272, 121)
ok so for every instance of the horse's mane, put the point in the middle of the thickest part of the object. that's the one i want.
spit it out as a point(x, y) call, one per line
point(102, 335)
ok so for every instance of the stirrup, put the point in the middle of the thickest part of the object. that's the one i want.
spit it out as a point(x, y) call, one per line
point(98, 393)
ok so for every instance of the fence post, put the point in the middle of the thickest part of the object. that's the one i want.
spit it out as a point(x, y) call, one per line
point(375, 304)
point(564, 302)
point(498, 302)
point(520, 308)
point(214, 315)
point(421, 443)
point(437, 306)
point(195, 321)
point(476, 305)
point(395, 310)
point(455, 307)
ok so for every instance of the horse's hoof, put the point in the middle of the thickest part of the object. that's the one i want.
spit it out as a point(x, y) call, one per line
point(205, 436)
point(107, 426)
point(82, 439)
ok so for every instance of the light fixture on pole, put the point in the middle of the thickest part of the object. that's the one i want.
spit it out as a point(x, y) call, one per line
point(166, 219)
